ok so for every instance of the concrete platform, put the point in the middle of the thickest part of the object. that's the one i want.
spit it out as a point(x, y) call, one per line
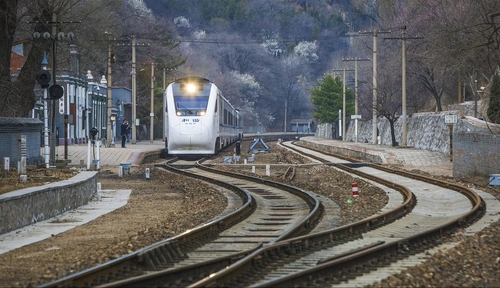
point(108, 156)
point(107, 201)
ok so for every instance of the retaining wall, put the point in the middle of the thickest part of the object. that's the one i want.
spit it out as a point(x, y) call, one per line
point(353, 152)
point(475, 154)
point(426, 131)
point(30, 205)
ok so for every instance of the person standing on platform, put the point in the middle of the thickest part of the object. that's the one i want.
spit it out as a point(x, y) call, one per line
point(125, 128)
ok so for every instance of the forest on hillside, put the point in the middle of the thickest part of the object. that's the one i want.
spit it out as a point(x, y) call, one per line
point(267, 56)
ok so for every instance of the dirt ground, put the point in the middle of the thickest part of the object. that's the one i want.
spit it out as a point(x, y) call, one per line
point(168, 204)
point(159, 208)
point(10, 180)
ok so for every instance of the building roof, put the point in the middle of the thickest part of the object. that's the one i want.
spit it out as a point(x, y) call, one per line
point(302, 121)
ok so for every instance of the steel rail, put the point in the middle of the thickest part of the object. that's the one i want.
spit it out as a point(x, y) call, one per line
point(168, 250)
point(352, 260)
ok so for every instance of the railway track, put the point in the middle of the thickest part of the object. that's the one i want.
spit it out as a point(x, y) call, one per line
point(320, 260)
point(269, 212)
point(268, 244)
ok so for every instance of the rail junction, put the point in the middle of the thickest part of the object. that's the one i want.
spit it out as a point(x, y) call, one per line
point(271, 237)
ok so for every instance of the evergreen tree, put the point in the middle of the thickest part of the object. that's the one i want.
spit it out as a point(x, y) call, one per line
point(327, 99)
point(494, 107)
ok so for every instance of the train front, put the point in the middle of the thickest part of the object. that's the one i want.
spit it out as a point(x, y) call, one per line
point(191, 117)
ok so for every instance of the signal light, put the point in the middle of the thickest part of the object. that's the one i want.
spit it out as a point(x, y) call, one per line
point(56, 92)
point(43, 78)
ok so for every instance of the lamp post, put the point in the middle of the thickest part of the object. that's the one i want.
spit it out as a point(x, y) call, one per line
point(46, 148)
point(104, 82)
point(481, 90)
point(113, 123)
point(98, 112)
point(88, 107)
point(55, 90)
point(90, 79)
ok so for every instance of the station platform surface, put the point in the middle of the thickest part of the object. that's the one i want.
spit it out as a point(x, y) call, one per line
point(108, 156)
point(411, 158)
point(113, 199)
point(407, 156)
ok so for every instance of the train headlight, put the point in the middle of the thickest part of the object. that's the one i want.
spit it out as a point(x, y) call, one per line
point(191, 88)
point(179, 113)
point(201, 113)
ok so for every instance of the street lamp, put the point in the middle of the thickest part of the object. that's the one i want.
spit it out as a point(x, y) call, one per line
point(97, 108)
point(55, 91)
point(113, 122)
point(477, 98)
point(90, 79)
point(103, 118)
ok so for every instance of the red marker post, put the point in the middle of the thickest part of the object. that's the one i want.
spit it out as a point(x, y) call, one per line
point(355, 192)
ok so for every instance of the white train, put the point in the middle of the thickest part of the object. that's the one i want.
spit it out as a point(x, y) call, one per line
point(198, 120)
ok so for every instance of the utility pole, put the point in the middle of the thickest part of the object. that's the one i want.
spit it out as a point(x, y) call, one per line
point(134, 45)
point(374, 33)
point(152, 114)
point(343, 99)
point(134, 92)
point(356, 98)
point(109, 133)
point(286, 108)
point(163, 109)
point(404, 137)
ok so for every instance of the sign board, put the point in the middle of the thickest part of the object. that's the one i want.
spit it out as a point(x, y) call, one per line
point(61, 106)
point(355, 117)
point(450, 119)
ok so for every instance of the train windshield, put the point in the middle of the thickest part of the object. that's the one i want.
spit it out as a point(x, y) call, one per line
point(191, 102)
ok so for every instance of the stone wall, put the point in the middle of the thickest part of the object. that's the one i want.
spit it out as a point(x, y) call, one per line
point(352, 152)
point(11, 130)
point(475, 154)
point(30, 205)
point(426, 131)
point(476, 143)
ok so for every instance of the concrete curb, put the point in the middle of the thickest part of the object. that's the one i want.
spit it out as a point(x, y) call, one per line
point(30, 205)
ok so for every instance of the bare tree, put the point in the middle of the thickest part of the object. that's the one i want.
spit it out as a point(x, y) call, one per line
point(19, 20)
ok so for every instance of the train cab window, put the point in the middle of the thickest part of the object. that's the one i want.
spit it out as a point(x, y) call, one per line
point(191, 100)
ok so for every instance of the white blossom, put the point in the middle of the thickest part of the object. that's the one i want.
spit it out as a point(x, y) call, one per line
point(199, 34)
point(272, 44)
point(182, 21)
point(307, 50)
point(140, 7)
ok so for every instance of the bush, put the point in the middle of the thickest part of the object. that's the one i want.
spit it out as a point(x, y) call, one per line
point(494, 107)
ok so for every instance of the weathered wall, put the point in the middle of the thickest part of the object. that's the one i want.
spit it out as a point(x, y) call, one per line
point(426, 131)
point(11, 130)
point(476, 144)
point(30, 205)
point(475, 154)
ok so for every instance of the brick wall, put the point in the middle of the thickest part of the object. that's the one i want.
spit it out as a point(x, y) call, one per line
point(475, 154)
point(30, 205)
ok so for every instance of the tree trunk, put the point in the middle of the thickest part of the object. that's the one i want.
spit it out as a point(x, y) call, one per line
point(393, 135)
point(18, 97)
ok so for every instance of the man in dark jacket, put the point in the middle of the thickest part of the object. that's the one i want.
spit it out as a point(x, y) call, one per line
point(124, 131)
